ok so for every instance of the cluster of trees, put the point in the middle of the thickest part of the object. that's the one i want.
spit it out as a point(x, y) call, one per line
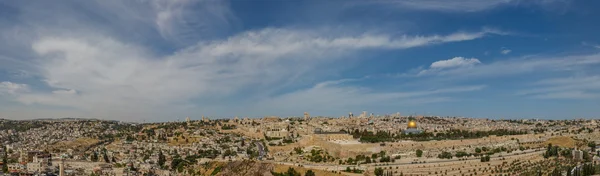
point(478, 152)
point(288, 140)
point(21, 126)
point(367, 136)
point(592, 145)
point(485, 158)
point(488, 151)
point(229, 152)
point(384, 136)
point(445, 155)
point(585, 170)
point(362, 159)
point(208, 153)
point(179, 163)
point(551, 151)
point(228, 127)
point(555, 150)
point(353, 170)
point(558, 171)
point(271, 138)
point(380, 172)
point(466, 134)
point(298, 150)
point(460, 154)
point(293, 172)
point(320, 156)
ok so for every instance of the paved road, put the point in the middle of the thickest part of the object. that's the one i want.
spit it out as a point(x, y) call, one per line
point(261, 149)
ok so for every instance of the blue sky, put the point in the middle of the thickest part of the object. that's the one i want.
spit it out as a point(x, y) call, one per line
point(160, 60)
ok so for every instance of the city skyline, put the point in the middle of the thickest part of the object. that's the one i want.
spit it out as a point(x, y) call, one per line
point(159, 60)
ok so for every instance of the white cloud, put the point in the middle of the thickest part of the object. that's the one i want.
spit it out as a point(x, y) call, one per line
point(505, 51)
point(12, 88)
point(455, 62)
point(103, 74)
point(450, 64)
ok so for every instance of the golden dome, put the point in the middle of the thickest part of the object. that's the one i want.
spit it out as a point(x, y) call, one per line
point(412, 124)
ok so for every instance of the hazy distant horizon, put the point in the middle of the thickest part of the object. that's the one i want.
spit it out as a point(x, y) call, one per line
point(259, 117)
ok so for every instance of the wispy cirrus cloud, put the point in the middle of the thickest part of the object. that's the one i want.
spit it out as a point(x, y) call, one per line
point(103, 74)
point(590, 45)
point(464, 5)
point(581, 87)
point(441, 5)
point(334, 96)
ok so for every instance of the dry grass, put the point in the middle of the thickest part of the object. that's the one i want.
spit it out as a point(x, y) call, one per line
point(79, 143)
point(562, 141)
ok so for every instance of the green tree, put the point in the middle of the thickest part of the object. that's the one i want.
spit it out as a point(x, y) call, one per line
point(95, 157)
point(419, 152)
point(161, 158)
point(477, 150)
point(106, 158)
point(5, 162)
point(180, 167)
point(292, 172)
point(592, 145)
point(378, 171)
point(485, 158)
point(309, 173)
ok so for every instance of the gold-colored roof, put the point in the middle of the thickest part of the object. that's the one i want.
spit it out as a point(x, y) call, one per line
point(412, 124)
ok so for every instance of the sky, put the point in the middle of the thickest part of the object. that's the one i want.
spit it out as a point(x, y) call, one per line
point(163, 60)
